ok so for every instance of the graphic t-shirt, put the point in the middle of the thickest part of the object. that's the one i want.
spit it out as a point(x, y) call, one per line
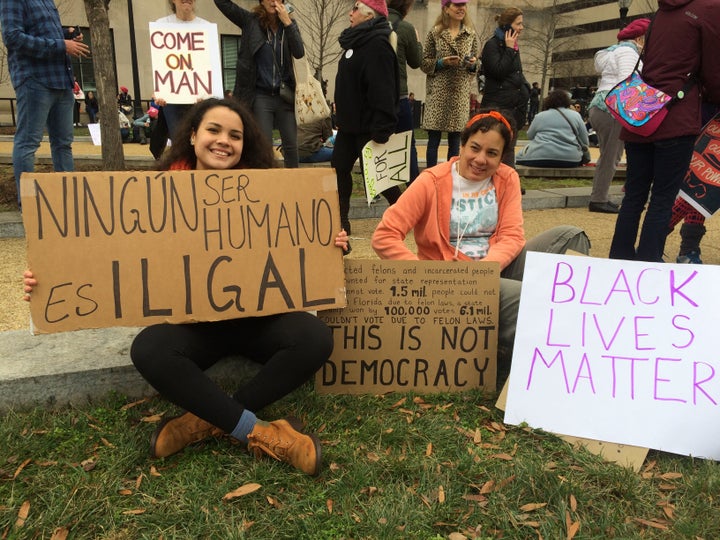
point(474, 215)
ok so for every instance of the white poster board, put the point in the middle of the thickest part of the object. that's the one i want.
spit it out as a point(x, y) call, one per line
point(619, 351)
point(386, 165)
point(185, 62)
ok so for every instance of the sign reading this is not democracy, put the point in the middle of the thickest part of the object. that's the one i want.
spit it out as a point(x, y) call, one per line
point(139, 248)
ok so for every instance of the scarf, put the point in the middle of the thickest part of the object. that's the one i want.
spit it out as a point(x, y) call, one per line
point(357, 36)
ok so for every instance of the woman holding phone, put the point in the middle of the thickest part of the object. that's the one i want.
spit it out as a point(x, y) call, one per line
point(506, 87)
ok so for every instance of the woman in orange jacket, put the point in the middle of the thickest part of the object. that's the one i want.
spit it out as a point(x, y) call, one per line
point(470, 208)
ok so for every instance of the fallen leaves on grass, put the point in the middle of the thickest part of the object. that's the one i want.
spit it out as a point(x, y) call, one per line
point(21, 467)
point(241, 491)
point(61, 533)
point(23, 514)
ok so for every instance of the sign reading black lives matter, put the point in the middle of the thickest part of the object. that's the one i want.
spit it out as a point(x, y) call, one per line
point(425, 326)
point(139, 248)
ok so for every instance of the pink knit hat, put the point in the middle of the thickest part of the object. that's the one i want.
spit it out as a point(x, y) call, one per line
point(635, 29)
point(378, 5)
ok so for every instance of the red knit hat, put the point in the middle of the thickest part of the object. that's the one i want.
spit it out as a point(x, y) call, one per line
point(635, 29)
point(378, 5)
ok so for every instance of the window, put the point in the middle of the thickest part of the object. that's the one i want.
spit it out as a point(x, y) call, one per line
point(229, 47)
point(83, 67)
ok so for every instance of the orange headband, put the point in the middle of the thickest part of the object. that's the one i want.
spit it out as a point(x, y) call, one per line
point(492, 114)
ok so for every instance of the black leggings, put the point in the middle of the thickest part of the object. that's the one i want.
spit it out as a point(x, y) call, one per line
point(173, 358)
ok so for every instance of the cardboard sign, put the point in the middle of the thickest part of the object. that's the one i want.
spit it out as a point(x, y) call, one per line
point(701, 186)
point(185, 62)
point(386, 165)
point(139, 248)
point(619, 351)
point(425, 326)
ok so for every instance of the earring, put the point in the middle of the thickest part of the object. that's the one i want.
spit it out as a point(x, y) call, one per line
point(192, 141)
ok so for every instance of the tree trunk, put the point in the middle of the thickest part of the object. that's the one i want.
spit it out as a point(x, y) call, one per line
point(113, 156)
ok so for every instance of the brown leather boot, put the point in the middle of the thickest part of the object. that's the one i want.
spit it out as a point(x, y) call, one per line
point(280, 441)
point(174, 434)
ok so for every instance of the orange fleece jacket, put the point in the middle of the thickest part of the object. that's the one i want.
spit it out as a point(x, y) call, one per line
point(425, 207)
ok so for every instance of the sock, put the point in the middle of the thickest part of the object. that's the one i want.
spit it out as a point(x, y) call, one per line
point(244, 426)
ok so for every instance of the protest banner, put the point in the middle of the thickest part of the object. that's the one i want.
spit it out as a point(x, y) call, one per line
point(386, 165)
point(144, 247)
point(185, 62)
point(701, 185)
point(619, 351)
point(424, 326)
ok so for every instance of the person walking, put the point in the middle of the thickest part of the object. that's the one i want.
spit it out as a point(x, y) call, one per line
point(38, 57)
point(450, 62)
point(680, 54)
point(505, 85)
point(409, 54)
point(614, 64)
point(367, 90)
point(265, 81)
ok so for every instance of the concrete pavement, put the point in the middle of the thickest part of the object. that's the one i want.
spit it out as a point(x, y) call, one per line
point(74, 367)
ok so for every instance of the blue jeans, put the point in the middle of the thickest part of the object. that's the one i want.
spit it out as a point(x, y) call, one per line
point(431, 154)
point(271, 111)
point(324, 153)
point(39, 107)
point(654, 169)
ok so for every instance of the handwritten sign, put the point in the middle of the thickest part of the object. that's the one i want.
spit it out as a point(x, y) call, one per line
point(426, 326)
point(139, 248)
point(701, 185)
point(185, 62)
point(386, 165)
point(619, 351)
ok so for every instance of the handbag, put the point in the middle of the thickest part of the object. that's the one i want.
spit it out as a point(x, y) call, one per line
point(585, 159)
point(310, 102)
point(639, 107)
point(285, 92)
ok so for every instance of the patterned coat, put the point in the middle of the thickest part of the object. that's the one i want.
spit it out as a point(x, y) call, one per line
point(447, 89)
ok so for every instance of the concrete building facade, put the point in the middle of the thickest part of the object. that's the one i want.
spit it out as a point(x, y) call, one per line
point(557, 47)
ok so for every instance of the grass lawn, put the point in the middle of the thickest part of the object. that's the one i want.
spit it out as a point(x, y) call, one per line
point(395, 466)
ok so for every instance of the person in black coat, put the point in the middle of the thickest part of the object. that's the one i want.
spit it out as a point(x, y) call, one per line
point(366, 94)
point(506, 87)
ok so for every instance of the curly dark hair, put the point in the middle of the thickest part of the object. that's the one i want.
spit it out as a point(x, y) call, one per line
point(557, 99)
point(488, 123)
point(257, 152)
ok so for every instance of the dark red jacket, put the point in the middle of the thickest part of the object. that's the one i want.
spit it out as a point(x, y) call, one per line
point(684, 40)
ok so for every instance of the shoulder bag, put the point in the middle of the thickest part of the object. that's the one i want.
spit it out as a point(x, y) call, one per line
point(310, 102)
point(639, 107)
point(585, 150)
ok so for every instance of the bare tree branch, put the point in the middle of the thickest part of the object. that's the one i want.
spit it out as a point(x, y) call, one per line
point(319, 25)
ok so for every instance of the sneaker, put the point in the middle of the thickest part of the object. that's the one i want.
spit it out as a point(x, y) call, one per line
point(691, 257)
point(607, 207)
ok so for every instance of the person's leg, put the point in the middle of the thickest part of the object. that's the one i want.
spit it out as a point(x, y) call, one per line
point(291, 347)
point(560, 239)
point(672, 159)
point(264, 112)
point(174, 114)
point(611, 148)
point(509, 304)
point(691, 234)
point(60, 130)
point(640, 172)
point(433, 143)
point(173, 359)
point(453, 144)
point(324, 153)
point(405, 123)
point(343, 159)
point(285, 120)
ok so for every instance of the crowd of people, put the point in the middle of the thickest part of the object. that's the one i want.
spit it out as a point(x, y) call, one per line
point(466, 208)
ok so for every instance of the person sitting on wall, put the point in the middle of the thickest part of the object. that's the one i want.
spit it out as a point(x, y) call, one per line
point(316, 141)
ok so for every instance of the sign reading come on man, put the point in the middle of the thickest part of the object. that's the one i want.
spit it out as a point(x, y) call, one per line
point(185, 62)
